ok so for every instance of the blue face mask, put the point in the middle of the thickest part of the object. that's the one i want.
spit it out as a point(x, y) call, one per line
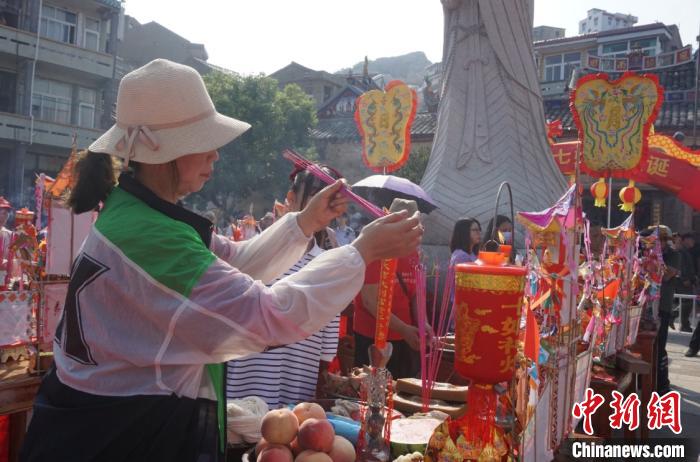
point(507, 236)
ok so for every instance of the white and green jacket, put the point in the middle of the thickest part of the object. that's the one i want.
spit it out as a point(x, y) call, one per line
point(155, 296)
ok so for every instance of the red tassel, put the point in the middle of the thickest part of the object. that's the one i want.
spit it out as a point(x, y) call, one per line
point(479, 421)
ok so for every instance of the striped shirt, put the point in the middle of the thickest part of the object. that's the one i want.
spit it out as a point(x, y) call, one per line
point(286, 374)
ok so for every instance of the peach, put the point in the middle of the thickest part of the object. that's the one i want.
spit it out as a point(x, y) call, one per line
point(316, 434)
point(313, 456)
point(279, 426)
point(276, 453)
point(260, 447)
point(342, 450)
point(305, 411)
point(294, 446)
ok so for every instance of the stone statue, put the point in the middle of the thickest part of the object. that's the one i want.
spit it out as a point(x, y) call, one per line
point(491, 125)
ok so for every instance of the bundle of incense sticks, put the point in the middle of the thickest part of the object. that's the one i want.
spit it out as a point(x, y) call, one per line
point(442, 319)
point(316, 171)
point(421, 285)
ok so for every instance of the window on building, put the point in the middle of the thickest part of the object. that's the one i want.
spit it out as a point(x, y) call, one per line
point(647, 46)
point(51, 100)
point(58, 24)
point(618, 49)
point(552, 68)
point(7, 92)
point(86, 107)
point(8, 18)
point(595, 21)
point(571, 61)
point(91, 35)
point(327, 91)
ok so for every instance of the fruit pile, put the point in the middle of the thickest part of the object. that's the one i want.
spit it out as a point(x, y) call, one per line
point(301, 435)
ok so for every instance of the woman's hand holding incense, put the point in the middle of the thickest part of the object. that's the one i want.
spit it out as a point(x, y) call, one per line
point(393, 236)
point(323, 208)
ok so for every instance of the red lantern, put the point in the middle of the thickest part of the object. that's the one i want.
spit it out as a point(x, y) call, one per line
point(599, 190)
point(488, 299)
point(629, 196)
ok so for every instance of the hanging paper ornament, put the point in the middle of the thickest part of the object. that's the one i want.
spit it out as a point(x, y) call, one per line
point(629, 196)
point(613, 120)
point(487, 302)
point(384, 120)
point(599, 190)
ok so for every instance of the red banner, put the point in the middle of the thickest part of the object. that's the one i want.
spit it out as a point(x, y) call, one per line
point(386, 294)
point(677, 176)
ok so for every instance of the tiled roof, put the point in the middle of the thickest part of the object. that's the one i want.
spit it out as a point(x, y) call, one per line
point(344, 128)
point(673, 115)
point(676, 112)
point(594, 35)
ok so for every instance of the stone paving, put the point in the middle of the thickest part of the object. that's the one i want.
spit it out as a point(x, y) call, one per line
point(684, 374)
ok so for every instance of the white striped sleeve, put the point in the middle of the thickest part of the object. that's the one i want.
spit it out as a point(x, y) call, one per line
point(329, 336)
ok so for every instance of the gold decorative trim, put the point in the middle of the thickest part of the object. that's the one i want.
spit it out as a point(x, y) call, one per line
point(490, 283)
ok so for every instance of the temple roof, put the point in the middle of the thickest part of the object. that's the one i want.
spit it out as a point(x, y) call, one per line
point(345, 129)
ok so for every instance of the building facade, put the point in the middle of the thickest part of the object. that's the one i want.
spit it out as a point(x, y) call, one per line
point(650, 49)
point(320, 85)
point(540, 33)
point(60, 66)
point(57, 84)
point(599, 20)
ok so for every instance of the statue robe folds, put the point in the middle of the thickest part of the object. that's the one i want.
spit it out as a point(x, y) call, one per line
point(490, 120)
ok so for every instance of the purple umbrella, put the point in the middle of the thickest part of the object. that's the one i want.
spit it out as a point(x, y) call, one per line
point(383, 189)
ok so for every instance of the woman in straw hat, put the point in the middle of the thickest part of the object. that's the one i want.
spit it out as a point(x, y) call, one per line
point(155, 296)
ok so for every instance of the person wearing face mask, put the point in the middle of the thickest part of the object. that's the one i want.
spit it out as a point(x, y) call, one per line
point(503, 226)
point(157, 301)
point(291, 373)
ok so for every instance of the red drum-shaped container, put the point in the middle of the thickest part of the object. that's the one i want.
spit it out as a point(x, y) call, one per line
point(488, 298)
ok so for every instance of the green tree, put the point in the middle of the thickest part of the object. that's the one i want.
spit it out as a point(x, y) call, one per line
point(414, 167)
point(253, 162)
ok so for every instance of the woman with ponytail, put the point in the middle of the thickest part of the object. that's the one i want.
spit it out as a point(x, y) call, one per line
point(157, 301)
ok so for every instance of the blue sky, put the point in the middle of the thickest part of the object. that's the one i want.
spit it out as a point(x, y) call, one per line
point(252, 36)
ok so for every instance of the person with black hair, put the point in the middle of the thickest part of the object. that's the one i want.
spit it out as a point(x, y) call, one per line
point(293, 373)
point(687, 279)
point(504, 226)
point(465, 240)
point(157, 302)
point(672, 262)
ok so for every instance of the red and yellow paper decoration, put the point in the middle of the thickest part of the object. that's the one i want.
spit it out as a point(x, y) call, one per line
point(488, 300)
point(387, 276)
point(384, 120)
point(613, 120)
point(629, 195)
point(599, 191)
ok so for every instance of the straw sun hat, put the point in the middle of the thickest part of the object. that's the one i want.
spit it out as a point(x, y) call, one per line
point(164, 112)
